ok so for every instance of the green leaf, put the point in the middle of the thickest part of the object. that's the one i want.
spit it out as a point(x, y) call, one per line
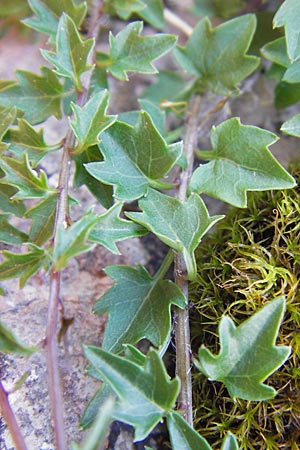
point(37, 96)
point(7, 116)
point(153, 13)
point(18, 173)
point(218, 8)
point(147, 302)
point(110, 228)
point(130, 52)
point(179, 225)
point(248, 353)
point(90, 120)
point(8, 203)
point(286, 94)
point(16, 9)
point(23, 265)
point(217, 57)
point(230, 442)
point(240, 162)
point(292, 126)
point(27, 139)
point(8, 233)
point(73, 240)
point(102, 192)
point(100, 428)
point(43, 216)
point(276, 52)
point(70, 58)
point(48, 14)
point(292, 75)
point(182, 435)
point(169, 87)
point(288, 16)
point(134, 158)
point(146, 393)
point(123, 8)
point(10, 343)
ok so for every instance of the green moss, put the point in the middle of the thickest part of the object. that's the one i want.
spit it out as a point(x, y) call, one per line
point(253, 256)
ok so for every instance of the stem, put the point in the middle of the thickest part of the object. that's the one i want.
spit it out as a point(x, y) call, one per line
point(165, 265)
point(10, 419)
point(61, 220)
point(177, 22)
point(182, 328)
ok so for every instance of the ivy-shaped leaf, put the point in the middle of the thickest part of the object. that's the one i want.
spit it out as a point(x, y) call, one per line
point(110, 228)
point(23, 266)
point(240, 162)
point(217, 57)
point(43, 216)
point(102, 192)
point(48, 14)
point(153, 13)
point(7, 116)
point(134, 158)
point(180, 225)
point(8, 203)
point(182, 436)
point(8, 233)
point(38, 96)
point(248, 353)
point(90, 120)
point(130, 52)
point(145, 393)
point(292, 126)
point(10, 343)
point(288, 16)
point(72, 240)
point(147, 302)
point(26, 139)
point(70, 58)
point(18, 173)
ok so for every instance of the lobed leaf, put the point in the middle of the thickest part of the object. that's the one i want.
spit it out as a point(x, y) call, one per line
point(248, 353)
point(145, 393)
point(7, 116)
point(110, 228)
point(43, 217)
point(179, 225)
point(90, 120)
point(135, 157)
point(288, 16)
point(240, 162)
point(130, 52)
point(292, 126)
point(147, 302)
point(71, 56)
point(182, 435)
point(8, 233)
point(37, 96)
point(217, 57)
point(48, 14)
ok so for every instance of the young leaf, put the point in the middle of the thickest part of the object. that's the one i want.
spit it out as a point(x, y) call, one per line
point(147, 302)
point(180, 225)
point(218, 56)
point(10, 343)
point(19, 174)
point(73, 240)
point(134, 158)
point(292, 126)
point(146, 393)
point(229, 442)
point(110, 228)
point(288, 16)
point(48, 14)
point(240, 162)
point(248, 353)
point(43, 216)
point(27, 139)
point(70, 58)
point(182, 435)
point(8, 233)
point(7, 116)
point(102, 192)
point(130, 52)
point(90, 120)
point(37, 96)
point(23, 265)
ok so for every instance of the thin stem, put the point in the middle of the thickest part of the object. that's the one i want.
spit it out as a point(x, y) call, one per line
point(177, 22)
point(182, 328)
point(61, 221)
point(11, 421)
point(165, 265)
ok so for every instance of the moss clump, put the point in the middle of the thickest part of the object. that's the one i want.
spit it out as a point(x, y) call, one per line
point(253, 256)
